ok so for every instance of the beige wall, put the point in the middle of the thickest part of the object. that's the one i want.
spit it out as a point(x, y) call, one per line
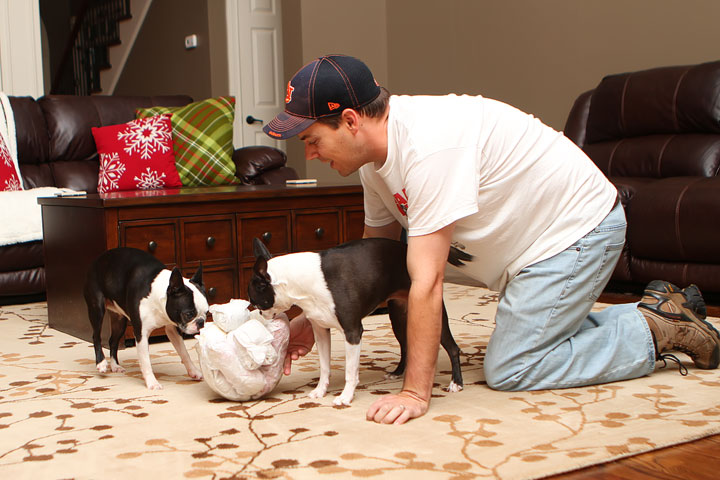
point(159, 64)
point(539, 55)
point(535, 54)
point(332, 26)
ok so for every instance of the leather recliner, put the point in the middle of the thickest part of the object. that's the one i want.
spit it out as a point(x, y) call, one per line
point(656, 135)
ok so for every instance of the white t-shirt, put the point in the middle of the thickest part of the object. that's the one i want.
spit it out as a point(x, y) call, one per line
point(519, 191)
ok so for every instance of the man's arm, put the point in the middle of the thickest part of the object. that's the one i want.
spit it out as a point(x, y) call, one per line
point(391, 231)
point(427, 255)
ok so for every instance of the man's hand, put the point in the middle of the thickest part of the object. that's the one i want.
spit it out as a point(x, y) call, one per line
point(397, 409)
point(301, 341)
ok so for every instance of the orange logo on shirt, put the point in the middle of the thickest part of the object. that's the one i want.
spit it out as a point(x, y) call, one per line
point(288, 94)
point(333, 106)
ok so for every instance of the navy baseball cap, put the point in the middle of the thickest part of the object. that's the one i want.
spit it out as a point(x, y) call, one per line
point(326, 86)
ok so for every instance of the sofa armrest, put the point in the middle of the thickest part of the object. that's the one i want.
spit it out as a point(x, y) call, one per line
point(276, 176)
point(576, 124)
point(257, 165)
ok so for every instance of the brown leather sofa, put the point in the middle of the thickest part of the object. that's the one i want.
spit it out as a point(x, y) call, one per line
point(56, 148)
point(656, 135)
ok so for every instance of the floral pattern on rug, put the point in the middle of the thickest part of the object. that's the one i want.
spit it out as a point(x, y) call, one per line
point(59, 418)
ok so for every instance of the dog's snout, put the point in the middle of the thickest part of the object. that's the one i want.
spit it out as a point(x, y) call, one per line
point(191, 328)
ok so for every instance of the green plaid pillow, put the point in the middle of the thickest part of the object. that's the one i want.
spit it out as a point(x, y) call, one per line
point(202, 140)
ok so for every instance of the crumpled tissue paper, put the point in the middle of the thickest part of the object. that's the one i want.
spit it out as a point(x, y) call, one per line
point(240, 353)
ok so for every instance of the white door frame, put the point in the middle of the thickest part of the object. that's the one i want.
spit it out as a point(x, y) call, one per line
point(21, 70)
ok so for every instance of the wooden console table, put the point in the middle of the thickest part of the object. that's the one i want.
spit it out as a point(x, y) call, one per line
point(186, 227)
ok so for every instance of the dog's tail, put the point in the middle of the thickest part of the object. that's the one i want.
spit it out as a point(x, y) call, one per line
point(458, 258)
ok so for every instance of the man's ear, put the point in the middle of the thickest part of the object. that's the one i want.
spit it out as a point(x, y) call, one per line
point(350, 119)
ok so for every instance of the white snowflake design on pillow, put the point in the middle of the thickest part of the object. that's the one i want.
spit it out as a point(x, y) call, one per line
point(150, 180)
point(11, 184)
point(111, 169)
point(146, 136)
point(5, 153)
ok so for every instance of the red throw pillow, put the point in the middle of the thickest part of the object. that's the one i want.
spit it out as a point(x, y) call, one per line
point(137, 155)
point(9, 174)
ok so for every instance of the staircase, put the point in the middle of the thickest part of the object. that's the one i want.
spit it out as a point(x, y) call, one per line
point(101, 39)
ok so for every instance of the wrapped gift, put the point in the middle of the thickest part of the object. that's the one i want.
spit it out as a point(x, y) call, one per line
point(240, 353)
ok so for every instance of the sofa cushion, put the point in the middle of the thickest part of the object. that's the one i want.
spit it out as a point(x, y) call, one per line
point(683, 99)
point(137, 155)
point(22, 256)
point(203, 140)
point(30, 281)
point(658, 156)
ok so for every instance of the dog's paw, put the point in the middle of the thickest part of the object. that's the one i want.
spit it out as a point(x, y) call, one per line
point(343, 399)
point(454, 387)
point(392, 376)
point(115, 367)
point(154, 385)
point(317, 393)
point(102, 367)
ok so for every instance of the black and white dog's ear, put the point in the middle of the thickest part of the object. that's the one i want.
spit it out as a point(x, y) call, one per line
point(197, 279)
point(176, 284)
point(260, 250)
point(260, 269)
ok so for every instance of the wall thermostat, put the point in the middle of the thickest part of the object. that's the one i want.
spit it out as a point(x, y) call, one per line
point(191, 41)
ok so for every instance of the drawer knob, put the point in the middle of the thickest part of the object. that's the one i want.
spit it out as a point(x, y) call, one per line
point(212, 291)
point(210, 241)
point(267, 236)
point(319, 232)
point(152, 245)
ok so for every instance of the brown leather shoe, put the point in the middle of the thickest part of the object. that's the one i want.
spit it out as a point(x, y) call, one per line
point(676, 320)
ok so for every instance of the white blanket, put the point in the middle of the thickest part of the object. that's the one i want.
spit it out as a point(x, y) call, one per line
point(21, 216)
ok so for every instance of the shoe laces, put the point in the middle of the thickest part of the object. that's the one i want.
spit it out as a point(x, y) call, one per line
point(669, 356)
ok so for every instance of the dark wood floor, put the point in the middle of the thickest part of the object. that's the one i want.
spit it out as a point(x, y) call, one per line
point(698, 460)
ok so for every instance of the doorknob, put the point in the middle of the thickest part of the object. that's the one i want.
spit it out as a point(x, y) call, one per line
point(250, 120)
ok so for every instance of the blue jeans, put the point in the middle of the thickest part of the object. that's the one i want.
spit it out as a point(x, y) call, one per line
point(545, 335)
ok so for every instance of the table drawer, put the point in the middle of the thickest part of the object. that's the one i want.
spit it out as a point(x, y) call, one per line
point(220, 285)
point(354, 223)
point(246, 272)
point(158, 238)
point(209, 240)
point(272, 228)
point(316, 229)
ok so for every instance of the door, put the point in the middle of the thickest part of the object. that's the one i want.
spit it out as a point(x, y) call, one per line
point(255, 64)
point(21, 70)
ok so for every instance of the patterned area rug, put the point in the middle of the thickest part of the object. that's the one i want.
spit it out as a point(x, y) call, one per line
point(59, 418)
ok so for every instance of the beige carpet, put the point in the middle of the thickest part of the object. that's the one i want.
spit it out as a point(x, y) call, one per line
point(59, 418)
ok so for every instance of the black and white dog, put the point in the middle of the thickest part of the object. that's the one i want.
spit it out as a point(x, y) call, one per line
point(134, 285)
point(337, 288)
